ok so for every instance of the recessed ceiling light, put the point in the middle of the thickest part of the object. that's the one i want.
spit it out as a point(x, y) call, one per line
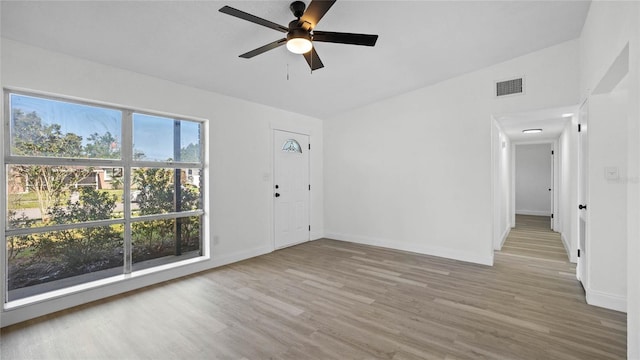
point(531, 131)
point(567, 115)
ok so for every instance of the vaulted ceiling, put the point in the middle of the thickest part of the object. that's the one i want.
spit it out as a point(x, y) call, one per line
point(191, 43)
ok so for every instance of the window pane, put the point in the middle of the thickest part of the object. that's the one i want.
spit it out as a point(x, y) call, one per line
point(154, 188)
point(190, 141)
point(292, 145)
point(50, 128)
point(48, 261)
point(153, 139)
point(62, 194)
point(164, 241)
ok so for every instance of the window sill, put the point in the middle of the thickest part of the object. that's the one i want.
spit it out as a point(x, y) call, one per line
point(54, 294)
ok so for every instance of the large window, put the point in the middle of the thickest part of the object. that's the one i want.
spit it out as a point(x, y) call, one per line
point(95, 192)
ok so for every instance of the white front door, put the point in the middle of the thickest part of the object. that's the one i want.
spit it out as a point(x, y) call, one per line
point(291, 188)
point(583, 187)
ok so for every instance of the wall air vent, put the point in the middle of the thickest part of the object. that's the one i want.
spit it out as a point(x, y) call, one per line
point(509, 87)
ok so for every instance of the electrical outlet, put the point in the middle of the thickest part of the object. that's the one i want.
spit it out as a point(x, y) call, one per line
point(611, 173)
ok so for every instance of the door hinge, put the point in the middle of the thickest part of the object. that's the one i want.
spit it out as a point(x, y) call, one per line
point(551, 152)
point(309, 146)
point(309, 187)
point(552, 216)
point(579, 128)
point(309, 227)
point(578, 252)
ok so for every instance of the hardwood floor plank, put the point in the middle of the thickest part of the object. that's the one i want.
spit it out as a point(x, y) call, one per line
point(494, 315)
point(315, 278)
point(346, 294)
point(395, 279)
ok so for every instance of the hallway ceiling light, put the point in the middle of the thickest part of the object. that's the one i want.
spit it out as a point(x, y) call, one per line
point(567, 115)
point(531, 131)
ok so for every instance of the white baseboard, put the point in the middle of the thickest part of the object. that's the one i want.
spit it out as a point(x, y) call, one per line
point(572, 257)
point(533, 212)
point(240, 255)
point(427, 250)
point(607, 301)
point(503, 238)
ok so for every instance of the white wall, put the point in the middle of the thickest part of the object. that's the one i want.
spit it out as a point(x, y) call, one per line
point(609, 27)
point(633, 232)
point(533, 179)
point(240, 177)
point(414, 172)
point(555, 208)
point(505, 184)
point(568, 188)
point(607, 200)
point(501, 155)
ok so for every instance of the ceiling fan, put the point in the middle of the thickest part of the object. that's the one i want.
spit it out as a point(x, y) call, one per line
point(301, 33)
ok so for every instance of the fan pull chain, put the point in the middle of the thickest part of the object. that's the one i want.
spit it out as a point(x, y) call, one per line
point(287, 72)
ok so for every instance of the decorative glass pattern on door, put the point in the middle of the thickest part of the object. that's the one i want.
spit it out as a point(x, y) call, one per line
point(291, 145)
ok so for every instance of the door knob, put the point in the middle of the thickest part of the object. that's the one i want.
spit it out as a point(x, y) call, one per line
point(582, 207)
point(277, 195)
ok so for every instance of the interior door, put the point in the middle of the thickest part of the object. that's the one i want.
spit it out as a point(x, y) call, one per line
point(583, 192)
point(291, 188)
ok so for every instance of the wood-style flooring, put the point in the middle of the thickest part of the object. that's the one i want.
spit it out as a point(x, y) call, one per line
point(533, 237)
point(335, 300)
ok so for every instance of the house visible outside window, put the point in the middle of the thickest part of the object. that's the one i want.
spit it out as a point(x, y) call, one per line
point(96, 192)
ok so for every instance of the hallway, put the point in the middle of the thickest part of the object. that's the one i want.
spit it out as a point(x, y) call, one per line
point(535, 253)
point(533, 238)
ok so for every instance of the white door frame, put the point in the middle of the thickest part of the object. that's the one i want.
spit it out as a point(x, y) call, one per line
point(555, 187)
point(554, 173)
point(582, 268)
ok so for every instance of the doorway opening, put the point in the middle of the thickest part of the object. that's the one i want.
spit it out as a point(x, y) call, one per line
point(534, 178)
point(540, 171)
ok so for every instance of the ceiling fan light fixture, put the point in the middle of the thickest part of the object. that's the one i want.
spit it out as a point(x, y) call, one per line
point(299, 41)
point(299, 45)
point(300, 32)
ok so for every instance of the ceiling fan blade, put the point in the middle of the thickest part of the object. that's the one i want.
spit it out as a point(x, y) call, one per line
point(252, 18)
point(265, 48)
point(313, 60)
point(345, 38)
point(315, 11)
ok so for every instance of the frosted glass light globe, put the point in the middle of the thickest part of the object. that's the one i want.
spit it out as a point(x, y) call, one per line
point(299, 45)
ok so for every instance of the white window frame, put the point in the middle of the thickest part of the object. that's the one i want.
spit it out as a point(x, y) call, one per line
point(127, 163)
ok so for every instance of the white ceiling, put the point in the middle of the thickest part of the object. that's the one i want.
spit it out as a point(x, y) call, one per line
point(551, 121)
point(190, 42)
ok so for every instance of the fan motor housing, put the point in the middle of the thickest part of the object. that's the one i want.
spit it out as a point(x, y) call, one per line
point(297, 32)
point(297, 8)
